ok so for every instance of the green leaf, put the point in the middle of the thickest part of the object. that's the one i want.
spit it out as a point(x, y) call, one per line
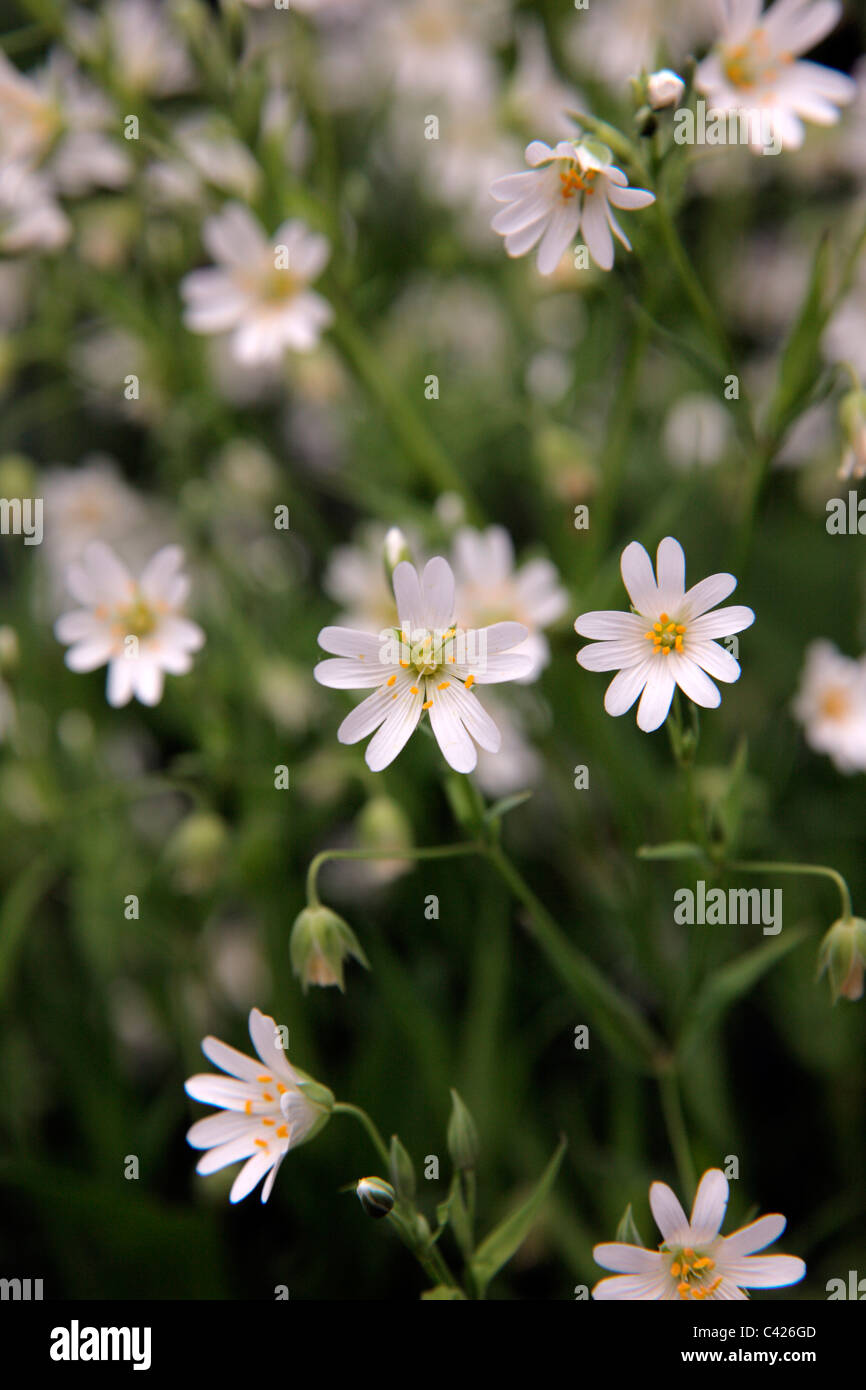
point(723, 987)
point(627, 1230)
point(675, 849)
point(497, 1248)
point(506, 804)
point(801, 363)
point(444, 1293)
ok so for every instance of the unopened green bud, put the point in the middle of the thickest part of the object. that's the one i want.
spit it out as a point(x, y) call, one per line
point(402, 1172)
point(196, 851)
point(376, 1196)
point(842, 954)
point(462, 1134)
point(320, 943)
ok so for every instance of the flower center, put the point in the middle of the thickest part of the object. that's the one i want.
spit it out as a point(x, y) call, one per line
point(576, 180)
point(138, 620)
point(747, 64)
point(693, 1272)
point(834, 703)
point(666, 635)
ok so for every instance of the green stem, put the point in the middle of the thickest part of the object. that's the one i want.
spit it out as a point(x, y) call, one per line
point(431, 852)
point(816, 870)
point(617, 1019)
point(695, 291)
point(342, 1107)
point(675, 1125)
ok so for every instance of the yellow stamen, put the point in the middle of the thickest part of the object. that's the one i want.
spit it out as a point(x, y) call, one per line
point(265, 1077)
point(283, 1132)
point(413, 689)
point(266, 1095)
point(428, 704)
point(391, 680)
point(470, 681)
point(675, 1269)
point(262, 1143)
point(443, 685)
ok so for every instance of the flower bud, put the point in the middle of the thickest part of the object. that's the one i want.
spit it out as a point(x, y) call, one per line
point(197, 851)
point(402, 1172)
point(462, 1134)
point(376, 1196)
point(842, 954)
point(664, 88)
point(319, 944)
point(852, 416)
point(395, 549)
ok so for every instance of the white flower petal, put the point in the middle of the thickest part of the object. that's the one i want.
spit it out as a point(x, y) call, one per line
point(456, 745)
point(707, 594)
point(724, 622)
point(407, 593)
point(230, 1060)
point(223, 1154)
point(639, 579)
point(610, 624)
point(709, 1206)
point(252, 1173)
point(715, 660)
point(627, 1259)
point(693, 682)
point(632, 1286)
point(347, 673)
point(367, 716)
point(345, 641)
point(595, 230)
point(753, 1237)
point(394, 734)
point(437, 592)
point(656, 698)
point(218, 1129)
point(625, 688)
point(765, 1271)
point(667, 1213)
point(671, 573)
point(120, 682)
point(612, 656)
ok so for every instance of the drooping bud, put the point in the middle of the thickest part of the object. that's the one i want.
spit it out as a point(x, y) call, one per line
point(462, 1134)
point(664, 88)
point(319, 944)
point(842, 954)
point(376, 1196)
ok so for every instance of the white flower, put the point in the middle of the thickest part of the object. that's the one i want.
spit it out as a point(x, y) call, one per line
point(570, 188)
point(490, 589)
point(136, 627)
point(259, 291)
point(664, 88)
point(424, 665)
point(694, 1260)
point(697, 430)
point(30, 219)
point(57, 121)
point(263, 1109)
point(439, 48)
point(139, 41)
point(666, 641)
point(831, 706)
point(754, 68)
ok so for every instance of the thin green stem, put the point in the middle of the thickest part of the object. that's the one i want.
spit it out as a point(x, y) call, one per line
point(815, 870)
point(430, 852)
point(675, 1125)
point(615, 1016)
point(342, 1107)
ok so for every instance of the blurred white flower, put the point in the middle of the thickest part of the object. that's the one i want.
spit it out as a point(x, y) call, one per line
point(259, 291)
point(263, 1110)
point(679, 628)
point(695, 1261)
point(517, 763)
point(423, 665)
point(490, 589)
point(697, 430)
point(615, 40)
point(209, 153)
point(136, 627)
point(441, 48)
point(664, 88)
point(56, 120)
point(831, 706)
point(139, 41)
point(30, 219)
point(569, 189)
point(755, 67)
point(84, 504)
point(536, 96)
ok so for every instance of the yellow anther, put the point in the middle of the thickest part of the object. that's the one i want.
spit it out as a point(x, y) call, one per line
point(264, 1077)
point(281, 1088)
point(391, 680)
point(689, 1254)
point(675, 1269)
point(679, 644)
point(470, 681)
point(657, 627)
point(663, 618)
point(704, 1262)
point(650, 635)
point(443, 685)
point(403, 663)
point(283, 1132)
point(666, 650)
point(428, 704)
point(413, 689)
point(266, 1121)
point(683, 1290)
point(715, 1284)
point(262, 1143)
point(680, 627)
point(248, 1107)
point(266, 1095)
